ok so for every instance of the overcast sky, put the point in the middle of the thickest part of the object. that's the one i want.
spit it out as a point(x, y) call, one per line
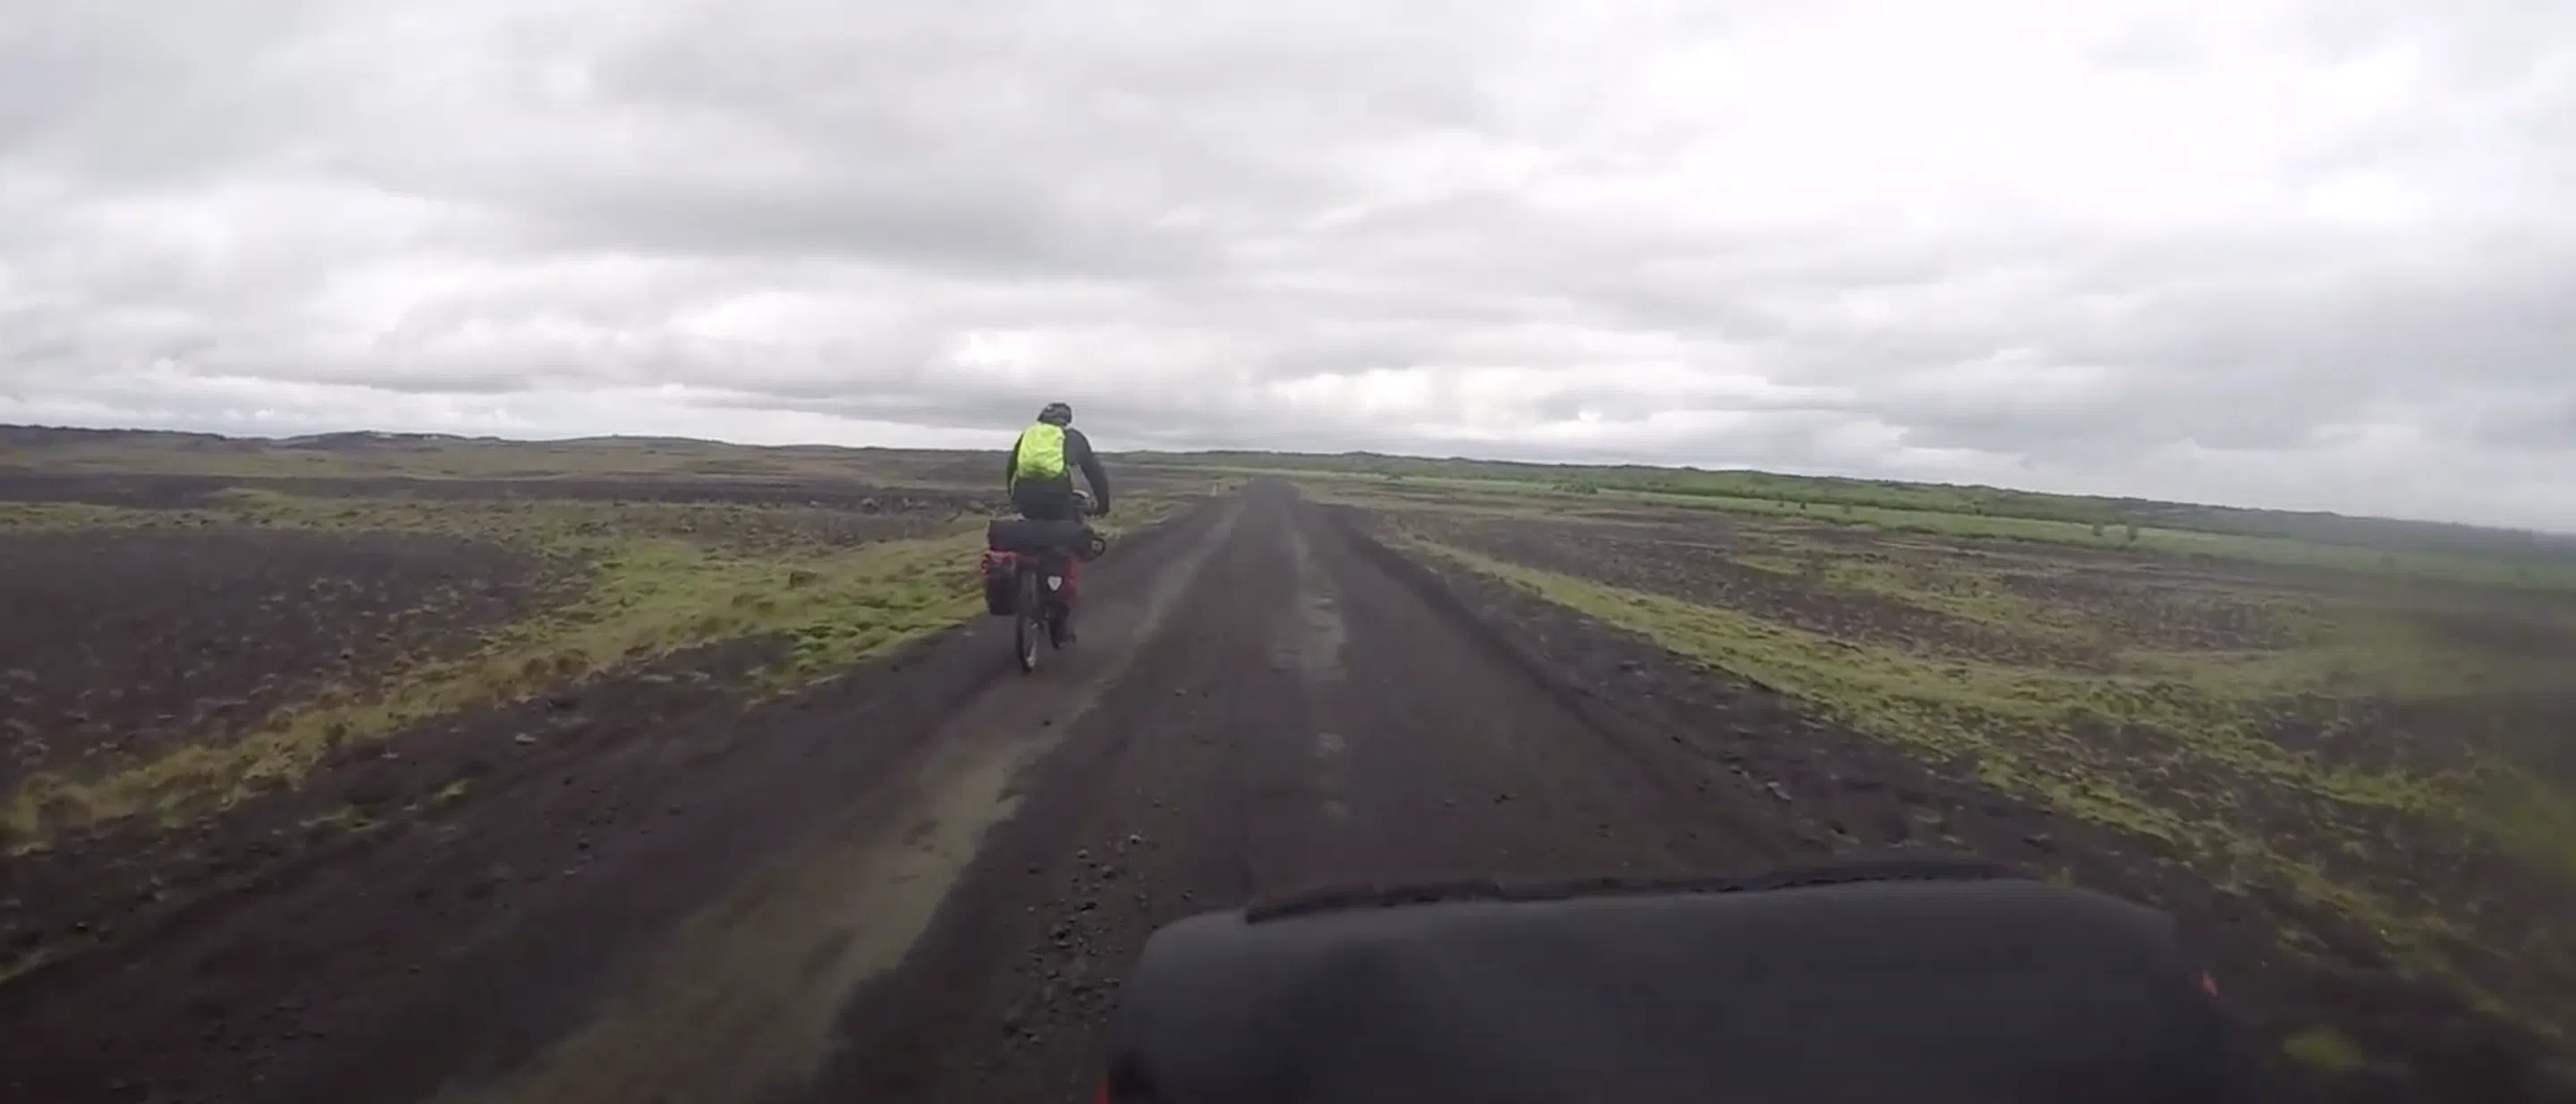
point(2295, 254)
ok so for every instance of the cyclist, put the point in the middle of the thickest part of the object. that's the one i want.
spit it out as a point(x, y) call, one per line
point(1039, 477)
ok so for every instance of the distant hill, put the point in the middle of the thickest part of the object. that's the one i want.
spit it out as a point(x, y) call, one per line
point(39, 437)
point(375, 439)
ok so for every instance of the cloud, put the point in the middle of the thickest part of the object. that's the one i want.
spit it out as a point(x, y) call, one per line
point(2288, 253)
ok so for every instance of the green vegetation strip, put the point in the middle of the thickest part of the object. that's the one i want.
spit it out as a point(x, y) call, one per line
point(2558, 573)
point(1952, 707)
point(2190, 768)
point(1979, 510)
point(646, 598)
point(2325, 1050)
point(2523, 570)
point(658, 578)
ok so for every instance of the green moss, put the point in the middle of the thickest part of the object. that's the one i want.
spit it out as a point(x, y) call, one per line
point(656, 578)
point(1773, 563)
point(643, 596)
point(2536, 821)
point(1947, 706)
point(448, 794)
point(1942, 512)
point(44, 516)
point(2170, 748)
point(2325, 1050)
point(1933, 585)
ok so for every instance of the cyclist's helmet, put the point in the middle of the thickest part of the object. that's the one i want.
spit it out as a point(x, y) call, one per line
point(1056, 413)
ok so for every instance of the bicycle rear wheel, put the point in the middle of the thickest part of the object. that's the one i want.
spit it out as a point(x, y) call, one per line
point(1028, 619)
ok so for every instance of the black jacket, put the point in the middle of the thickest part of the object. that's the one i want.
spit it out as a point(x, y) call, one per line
point(1077, 454)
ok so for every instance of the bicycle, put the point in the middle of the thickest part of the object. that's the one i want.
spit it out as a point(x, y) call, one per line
point(1026, 572)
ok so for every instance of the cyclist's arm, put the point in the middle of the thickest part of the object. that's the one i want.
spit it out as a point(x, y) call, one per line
point(1078, 447)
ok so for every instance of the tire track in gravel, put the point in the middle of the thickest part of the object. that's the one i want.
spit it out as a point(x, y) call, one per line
point(740, 1002)
point(1153, 808)
point(924, 884)
point(1466, 767)
point(1308, 720)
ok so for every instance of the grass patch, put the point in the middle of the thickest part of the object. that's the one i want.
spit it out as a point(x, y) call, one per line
point(644, 599)
point(1948, 707)
point(2325, 1050)
point(2533, 820)
point(657, 578)
point(1969, 595)
point(1775, 564)
point(2170, 746)
point(1940, 507)
point(447, 795)
point(53, 516)
point(2554, 571)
